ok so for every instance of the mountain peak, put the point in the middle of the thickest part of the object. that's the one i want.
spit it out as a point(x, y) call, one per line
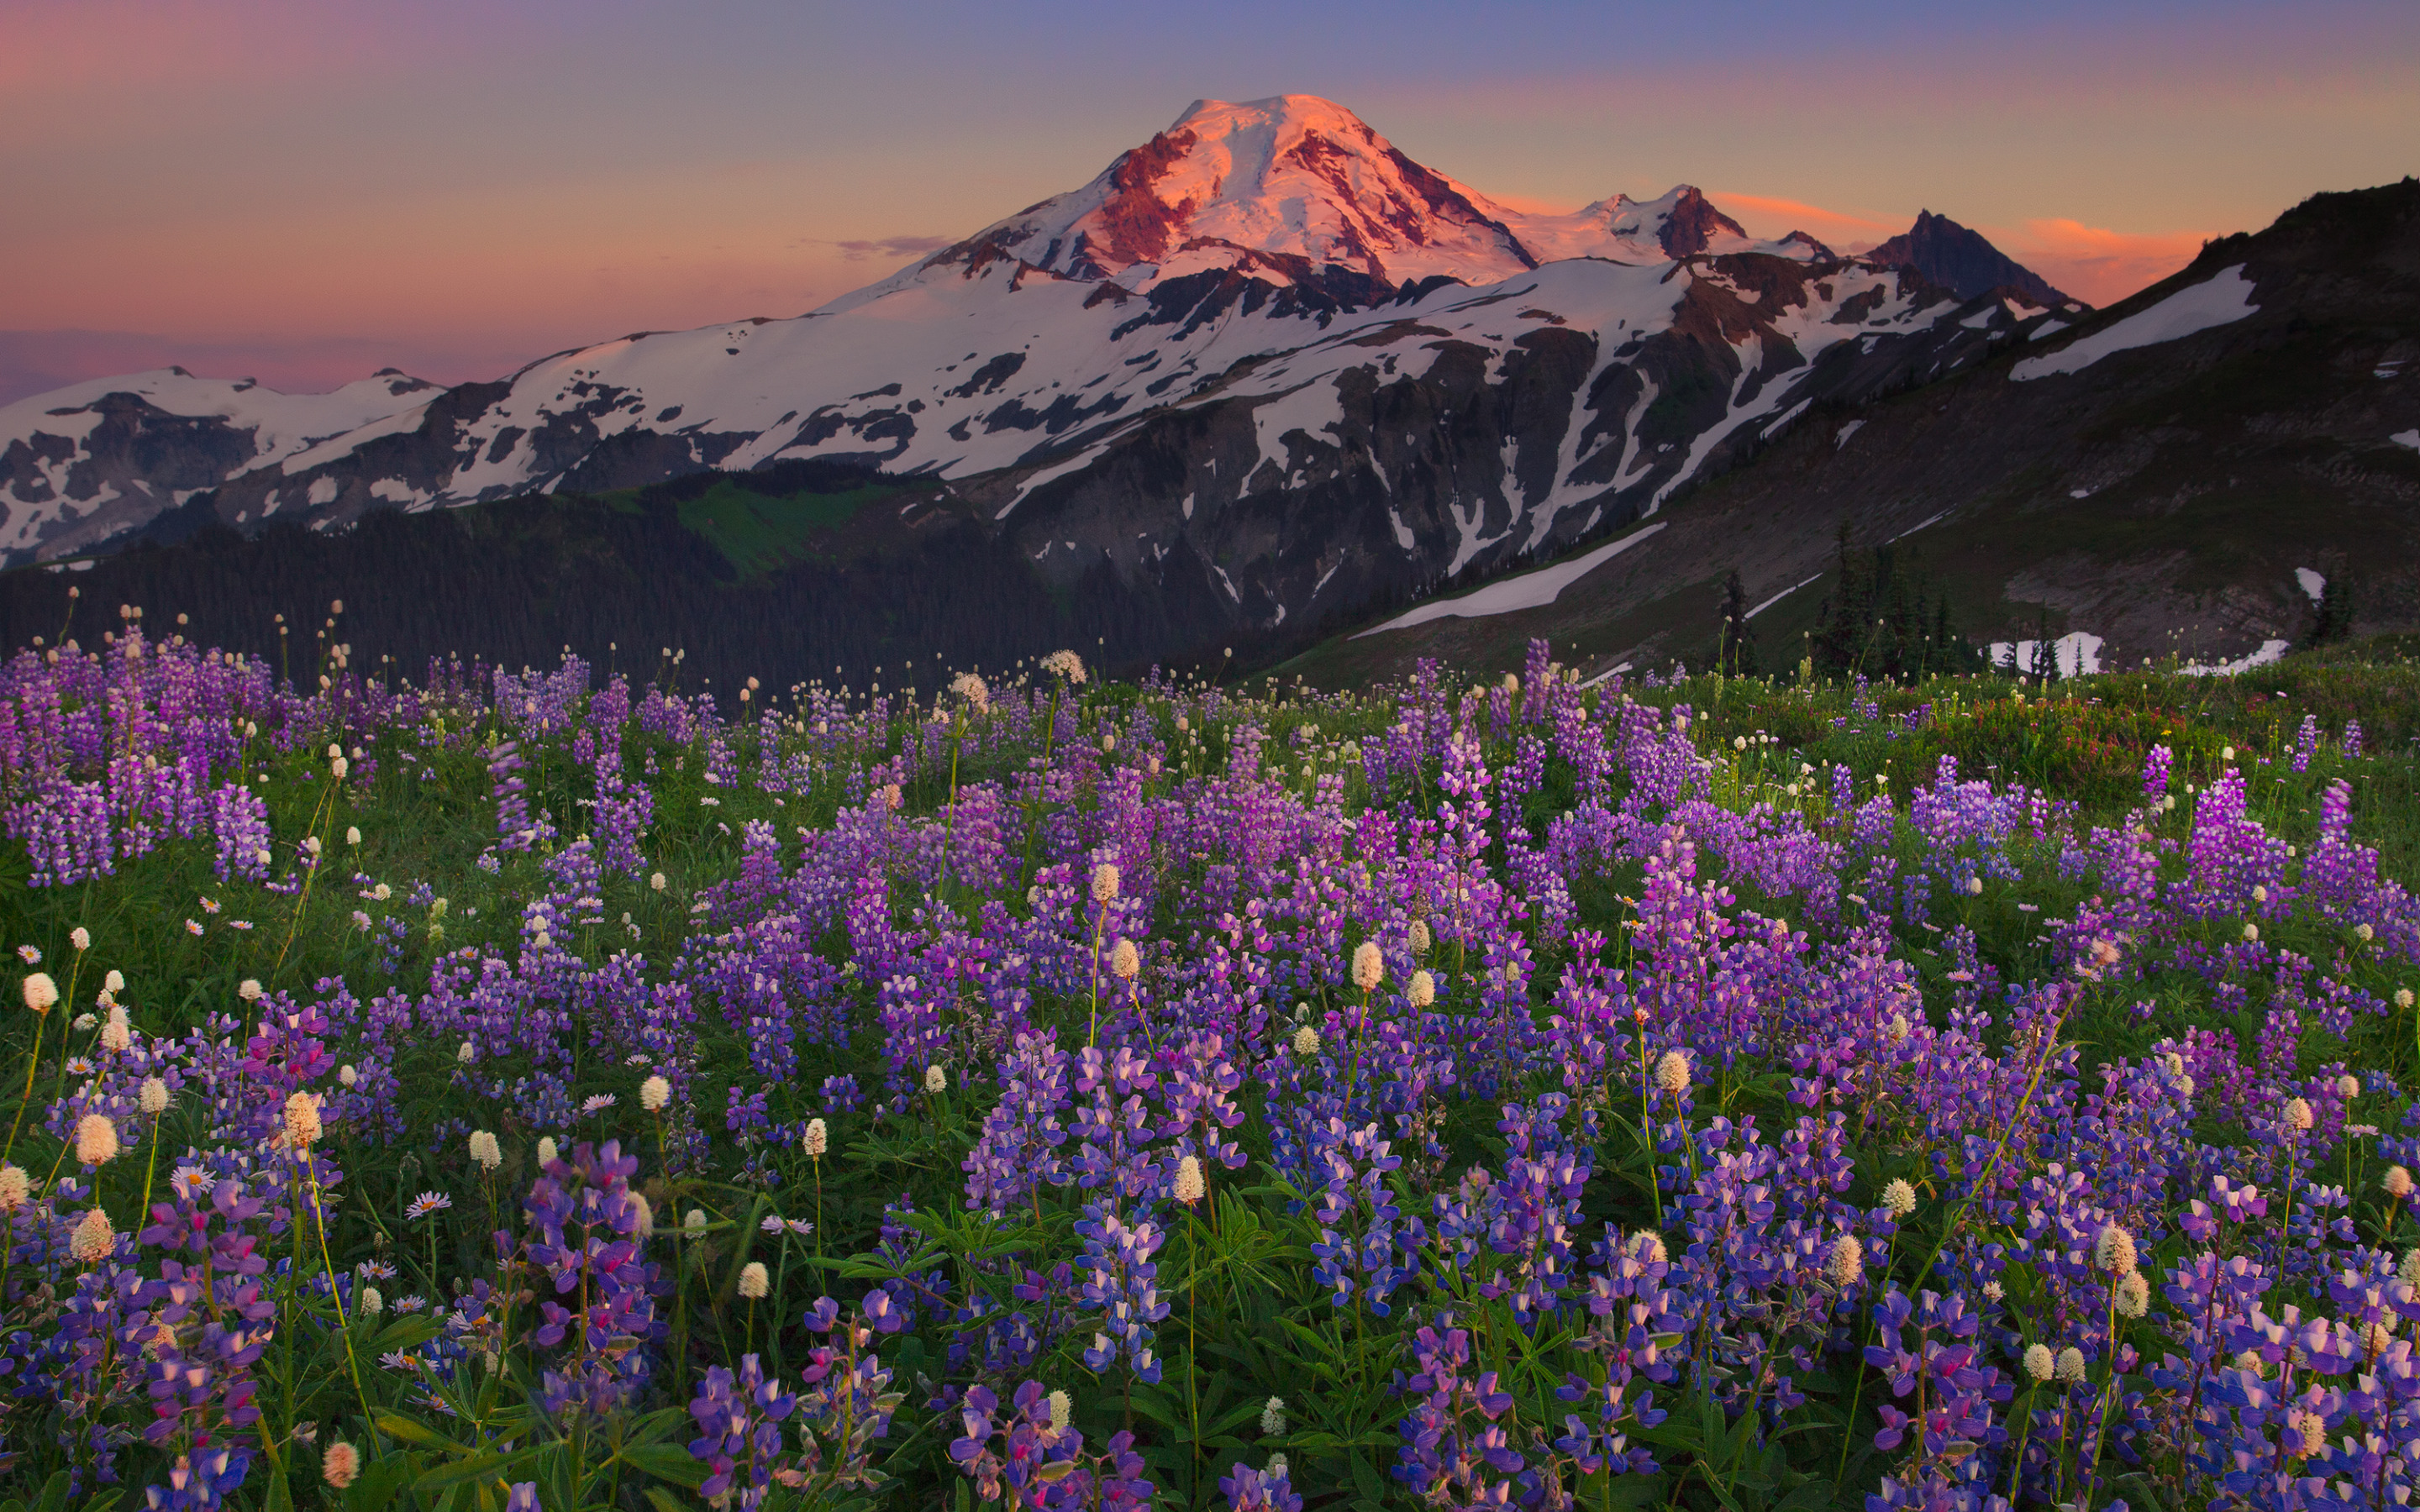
point(1292, 175)
point(1961, 261)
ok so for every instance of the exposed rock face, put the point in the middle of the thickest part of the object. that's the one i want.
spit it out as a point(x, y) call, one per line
point(1961, 261)
point(2180, 474)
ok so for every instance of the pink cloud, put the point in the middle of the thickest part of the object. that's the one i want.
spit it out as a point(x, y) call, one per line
point(1765, 216)
point(2095, 264)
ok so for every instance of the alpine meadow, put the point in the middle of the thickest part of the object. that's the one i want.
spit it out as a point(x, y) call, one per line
point(1275, 836)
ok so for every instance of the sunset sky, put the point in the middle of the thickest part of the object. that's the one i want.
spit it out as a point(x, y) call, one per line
point(306, 192)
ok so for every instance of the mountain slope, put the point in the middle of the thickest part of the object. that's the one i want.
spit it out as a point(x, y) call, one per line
point(82, 465)
point(1961, 261)
point(1264, 358)
point(2177, 474)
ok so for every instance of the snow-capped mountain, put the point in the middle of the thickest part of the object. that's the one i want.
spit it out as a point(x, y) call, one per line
point(1266, 353)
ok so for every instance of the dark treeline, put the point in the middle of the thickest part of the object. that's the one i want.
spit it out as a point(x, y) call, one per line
point(515, 582)
point(1885, 618)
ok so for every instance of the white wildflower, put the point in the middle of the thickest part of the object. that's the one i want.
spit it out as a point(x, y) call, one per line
point(2114, 1251)
point(1369, 967)
point(754, 1281)
point(94, 1240)
point(95, 1139)
point(1672, 1072)
point(2133, 1295)
point(1899, 1197)
point(302, 1128)
point(653, 1093)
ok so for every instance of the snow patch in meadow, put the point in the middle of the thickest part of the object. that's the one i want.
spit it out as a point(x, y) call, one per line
point(2078, 653)
point(1841, 438)
point(2218, 302)
point(2312, 582)
point(2407, 438)
point(1531, 589)
point(2270, 650)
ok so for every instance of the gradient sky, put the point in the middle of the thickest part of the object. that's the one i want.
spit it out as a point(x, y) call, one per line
point(305, 193)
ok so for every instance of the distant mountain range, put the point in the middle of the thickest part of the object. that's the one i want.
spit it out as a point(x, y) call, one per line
point(1266, 355)
point(1263, 378)
point(2184, 473)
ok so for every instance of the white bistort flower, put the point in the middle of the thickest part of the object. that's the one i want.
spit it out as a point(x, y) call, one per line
point(1369, 967)
point(1672, 1072)
point(95, 1139)
point(2114, 1250)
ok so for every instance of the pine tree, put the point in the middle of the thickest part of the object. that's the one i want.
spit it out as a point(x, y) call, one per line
point(2333, 620)
point(1738, 654)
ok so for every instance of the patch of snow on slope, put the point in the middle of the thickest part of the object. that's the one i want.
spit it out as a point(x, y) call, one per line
point(1080, 460)
point(2270, 650)
point(2216, 302)
point(1787, 416)
point(2077, 651)
point(1531, 589)
point(2312, 582)
point(1779, 597)
point(1841, 438)
point(2407, 438)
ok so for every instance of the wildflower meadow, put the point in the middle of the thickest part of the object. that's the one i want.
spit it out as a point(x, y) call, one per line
point(576, 1089)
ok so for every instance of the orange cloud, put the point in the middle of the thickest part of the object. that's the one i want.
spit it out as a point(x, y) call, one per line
point(2095, 264)
point(1765, 216)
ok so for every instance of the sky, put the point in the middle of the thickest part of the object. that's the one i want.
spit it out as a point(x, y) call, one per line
point(304, 193)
